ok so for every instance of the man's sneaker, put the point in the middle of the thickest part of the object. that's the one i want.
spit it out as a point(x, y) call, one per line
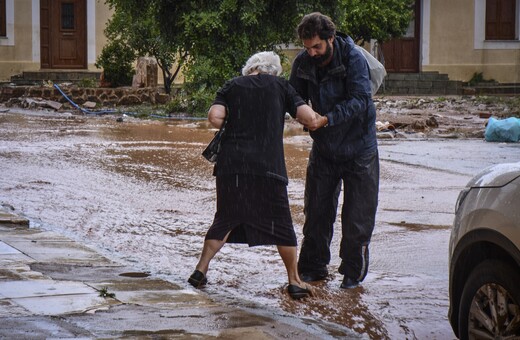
point(349, 283)
point(341, 268)
point(316, 275)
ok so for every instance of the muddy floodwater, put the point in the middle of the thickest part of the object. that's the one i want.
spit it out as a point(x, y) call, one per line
point(140, 193)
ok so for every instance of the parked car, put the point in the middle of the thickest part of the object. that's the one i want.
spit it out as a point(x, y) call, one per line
point(484, 269)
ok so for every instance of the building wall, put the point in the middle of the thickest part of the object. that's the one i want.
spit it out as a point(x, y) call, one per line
point(457, 46)
point(103, 13)
point(452, 40)
point(15, 49)
point(20, 51)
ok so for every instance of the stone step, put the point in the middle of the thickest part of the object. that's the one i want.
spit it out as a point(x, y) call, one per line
point(427, 83)
point(434, 83)
point(496, 88)
point(417, 76)
point(38, 77)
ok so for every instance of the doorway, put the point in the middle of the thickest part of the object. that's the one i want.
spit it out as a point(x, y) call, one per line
point(63, 27)
point(402, 55)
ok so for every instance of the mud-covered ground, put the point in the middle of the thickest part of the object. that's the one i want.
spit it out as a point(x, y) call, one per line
point(139, 191)
point(445, 117)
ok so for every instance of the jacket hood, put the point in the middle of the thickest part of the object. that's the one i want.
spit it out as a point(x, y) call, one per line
point(345, 41)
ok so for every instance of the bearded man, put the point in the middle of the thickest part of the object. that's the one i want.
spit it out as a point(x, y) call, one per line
point(333, 77)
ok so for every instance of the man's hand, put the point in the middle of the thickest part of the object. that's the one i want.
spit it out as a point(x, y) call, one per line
point(317, 123)
point(312, 120)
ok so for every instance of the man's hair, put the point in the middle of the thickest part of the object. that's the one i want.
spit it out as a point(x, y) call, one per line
point(263, 62)
point(316, 24)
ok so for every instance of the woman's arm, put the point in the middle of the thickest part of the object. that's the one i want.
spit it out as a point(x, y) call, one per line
point(216, 115)
point(306, 116)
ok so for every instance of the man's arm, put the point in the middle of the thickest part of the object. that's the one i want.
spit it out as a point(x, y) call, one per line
point(216, 115)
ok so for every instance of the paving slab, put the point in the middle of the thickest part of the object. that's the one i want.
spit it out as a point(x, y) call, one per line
point(59, 305)
point(58, 251)
point(18, 269)
point(39, 288)
point(154, 292)
point(7, 217)
point(49, 297)
point(9, 308)
point(6, 249)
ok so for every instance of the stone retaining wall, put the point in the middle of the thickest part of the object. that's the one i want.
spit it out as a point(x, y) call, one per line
point(105, 97)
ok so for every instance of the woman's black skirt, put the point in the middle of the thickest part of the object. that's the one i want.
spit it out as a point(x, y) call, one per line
point(255, 209)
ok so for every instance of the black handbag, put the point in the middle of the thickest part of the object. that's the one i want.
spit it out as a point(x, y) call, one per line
point(213, 149)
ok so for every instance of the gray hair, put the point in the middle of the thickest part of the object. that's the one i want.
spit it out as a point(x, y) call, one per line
point(263, 62)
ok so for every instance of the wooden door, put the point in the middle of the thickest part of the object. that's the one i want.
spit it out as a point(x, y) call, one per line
point(402, 55)
point(63, 34)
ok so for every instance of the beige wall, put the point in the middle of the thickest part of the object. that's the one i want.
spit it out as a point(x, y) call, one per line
point(455, 49)
point(452, 46)
point(103, 13)
point(21, 52)
point(16, 49)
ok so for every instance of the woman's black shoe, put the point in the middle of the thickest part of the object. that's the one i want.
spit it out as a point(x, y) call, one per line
point(197, 279)
point(298, 292)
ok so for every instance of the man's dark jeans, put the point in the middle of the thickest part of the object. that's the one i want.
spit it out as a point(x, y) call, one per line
point(360, 177)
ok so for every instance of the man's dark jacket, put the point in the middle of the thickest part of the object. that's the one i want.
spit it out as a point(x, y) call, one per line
point(343, 95)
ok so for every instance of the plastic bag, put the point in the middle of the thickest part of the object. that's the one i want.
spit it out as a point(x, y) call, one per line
point(505, 130)
point(377, 70)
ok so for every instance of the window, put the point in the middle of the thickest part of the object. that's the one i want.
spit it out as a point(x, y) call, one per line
point(67, 16)
point(3, 24)
point(500, 19)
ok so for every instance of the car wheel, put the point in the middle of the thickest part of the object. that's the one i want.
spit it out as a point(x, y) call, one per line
point(490, 302)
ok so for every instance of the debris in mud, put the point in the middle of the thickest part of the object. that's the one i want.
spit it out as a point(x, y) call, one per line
point(440, 117)
point(397, 116)
point(39, 103)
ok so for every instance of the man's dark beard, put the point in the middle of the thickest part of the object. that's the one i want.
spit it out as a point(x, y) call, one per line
point(319, 60)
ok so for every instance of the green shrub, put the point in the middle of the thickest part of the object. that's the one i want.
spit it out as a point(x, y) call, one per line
point(196, 103)
point(117, 63)
point(88, 82)
point(479, 78)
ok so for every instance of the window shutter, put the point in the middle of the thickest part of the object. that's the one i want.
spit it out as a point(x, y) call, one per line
point(500, 19)
point(3, 28)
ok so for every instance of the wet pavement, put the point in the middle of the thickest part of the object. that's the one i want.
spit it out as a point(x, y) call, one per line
point(53, 287)
point(140, 194)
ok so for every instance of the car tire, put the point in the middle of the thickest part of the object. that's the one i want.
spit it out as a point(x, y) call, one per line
point(491, 278)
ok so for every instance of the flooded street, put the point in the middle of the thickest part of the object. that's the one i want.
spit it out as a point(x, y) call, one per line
point(140, 192)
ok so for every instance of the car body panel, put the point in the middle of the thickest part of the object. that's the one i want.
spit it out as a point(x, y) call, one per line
point(495, 176)
point(486, 226)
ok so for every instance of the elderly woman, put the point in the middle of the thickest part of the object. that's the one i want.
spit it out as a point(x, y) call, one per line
point(252, 201)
